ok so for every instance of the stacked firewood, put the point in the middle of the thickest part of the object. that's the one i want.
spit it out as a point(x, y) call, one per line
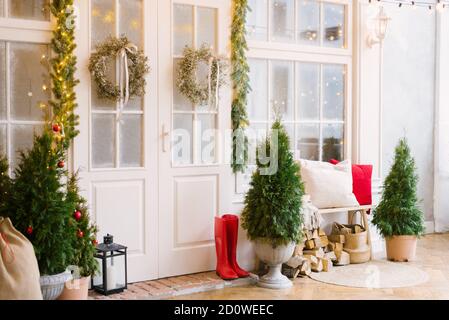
point(318, 253)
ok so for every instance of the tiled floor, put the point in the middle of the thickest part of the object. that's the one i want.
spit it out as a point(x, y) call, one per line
point(432, 257)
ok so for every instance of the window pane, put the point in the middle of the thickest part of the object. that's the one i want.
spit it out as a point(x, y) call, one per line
point(131, 141)
point(180, 102)
point(3, 140)
point(309, 91)
point(282, 88)
point(206, 136)
point(333, 142)
point(2, 80)
point(182, 27)
point(308, 141)
point(257, 20)
point(308, 22)
point(182, 138)
point(334, 19)
point(334, 92)
point(131, 23)
point(103, 140)
point(103, 20)
point(22, 140)
point(283, 23)
point(104, 104)
point(258, 97)
point(30, 84)
point(206, 27)
point(26, 9)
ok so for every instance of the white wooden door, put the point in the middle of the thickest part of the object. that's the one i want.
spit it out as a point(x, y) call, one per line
point(192, 183)
point(118, 159)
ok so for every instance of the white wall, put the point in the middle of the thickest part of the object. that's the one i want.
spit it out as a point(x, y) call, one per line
point(409, 93)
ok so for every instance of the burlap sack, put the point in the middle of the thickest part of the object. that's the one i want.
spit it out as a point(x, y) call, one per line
point(19, 271)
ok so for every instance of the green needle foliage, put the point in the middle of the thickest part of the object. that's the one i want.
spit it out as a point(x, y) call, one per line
point(5, 187)
point(39, 203)
point(240, 79)
point(273, 203)
point(398, 212)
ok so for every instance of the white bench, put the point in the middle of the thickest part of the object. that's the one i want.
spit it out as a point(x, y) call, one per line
point(351, 212)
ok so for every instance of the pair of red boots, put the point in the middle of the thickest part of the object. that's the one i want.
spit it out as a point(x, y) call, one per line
point(226, 234)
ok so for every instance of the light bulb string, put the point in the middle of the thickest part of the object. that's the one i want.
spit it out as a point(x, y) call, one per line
point(425, 4)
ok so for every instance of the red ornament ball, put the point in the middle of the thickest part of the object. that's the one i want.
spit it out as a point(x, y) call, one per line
point(80, 234)
point(95, 242)
point(56, 128)
point(77, 215)
point(29, 230)
point(61, 164)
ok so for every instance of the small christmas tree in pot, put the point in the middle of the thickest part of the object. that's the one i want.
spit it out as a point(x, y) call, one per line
point(272, 214)
point(398, 217)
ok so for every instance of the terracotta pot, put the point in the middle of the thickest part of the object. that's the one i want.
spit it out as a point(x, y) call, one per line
point(401, 248)
point(76, 289)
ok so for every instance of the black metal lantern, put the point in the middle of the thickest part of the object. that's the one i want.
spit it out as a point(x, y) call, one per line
point(113, 275)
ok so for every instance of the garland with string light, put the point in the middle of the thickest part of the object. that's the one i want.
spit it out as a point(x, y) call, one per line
point(439, 5)
point(241, 86)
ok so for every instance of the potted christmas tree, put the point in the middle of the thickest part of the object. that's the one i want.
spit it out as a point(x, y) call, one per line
point(272, 213)
point(84, 243)
point(398, 217)
point(5, 187)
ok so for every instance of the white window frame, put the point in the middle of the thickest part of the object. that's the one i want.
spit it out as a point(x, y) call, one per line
point(13, 30)
point(295, 52)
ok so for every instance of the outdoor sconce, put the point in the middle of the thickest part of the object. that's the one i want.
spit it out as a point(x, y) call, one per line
point(112, 277)
point(380, 28)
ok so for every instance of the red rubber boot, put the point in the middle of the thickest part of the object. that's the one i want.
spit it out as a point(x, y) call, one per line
point(224, 269)
point(232, 228)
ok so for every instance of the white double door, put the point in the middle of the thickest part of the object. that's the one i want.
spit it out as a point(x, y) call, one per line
point(158, 201)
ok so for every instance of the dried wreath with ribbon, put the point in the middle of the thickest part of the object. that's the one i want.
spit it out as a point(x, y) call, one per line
point(133, 69)
point(197, 91)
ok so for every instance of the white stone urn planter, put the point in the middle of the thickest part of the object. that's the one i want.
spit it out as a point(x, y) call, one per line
point(274, 258)
point(52, 286)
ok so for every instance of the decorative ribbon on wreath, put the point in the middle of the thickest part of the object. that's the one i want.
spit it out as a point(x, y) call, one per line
point(124, 77)
point(213, 60)
point(4, 247)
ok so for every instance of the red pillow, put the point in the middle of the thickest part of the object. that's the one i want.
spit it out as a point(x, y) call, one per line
point(361, 182)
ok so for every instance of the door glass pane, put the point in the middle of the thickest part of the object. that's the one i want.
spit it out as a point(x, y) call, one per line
point(182, 138)
point(258, 97)
point(257, 20)
point(22, 140)
point(309, 91)
point(333, 142)
point(103, 20)
point(180, 102)
point(333, 84)
point(308, 141)
point(182, 27)
point(206, 27)
point(2, 80)
point(334, 28)
point(30, 84)
point(103, 140)
point(97, 102)
point(130, 18)
point(282, 89)
point(206, 137)
point(283, 20)
point(26, 9)
point(131, 138)
point(3, 140)
point(308, 22)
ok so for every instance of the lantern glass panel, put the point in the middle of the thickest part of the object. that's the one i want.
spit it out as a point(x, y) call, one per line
point(115, 272)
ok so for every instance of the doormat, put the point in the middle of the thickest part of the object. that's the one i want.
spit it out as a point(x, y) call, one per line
point(176, 286)
point(377, 274)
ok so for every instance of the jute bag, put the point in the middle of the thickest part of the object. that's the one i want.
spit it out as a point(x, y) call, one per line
point(19, 271)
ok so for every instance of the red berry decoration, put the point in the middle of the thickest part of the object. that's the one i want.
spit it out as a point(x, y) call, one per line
point(80, 234)
point(56, 128)
point(30, 230)
point(61, 164)
point(77, 215)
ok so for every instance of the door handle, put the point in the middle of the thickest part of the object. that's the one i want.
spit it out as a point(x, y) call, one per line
point(165, 135)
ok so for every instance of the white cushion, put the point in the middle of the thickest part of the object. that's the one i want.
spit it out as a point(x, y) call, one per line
point(329, 186)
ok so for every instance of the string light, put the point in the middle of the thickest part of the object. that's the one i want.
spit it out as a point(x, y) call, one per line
point(438, 5)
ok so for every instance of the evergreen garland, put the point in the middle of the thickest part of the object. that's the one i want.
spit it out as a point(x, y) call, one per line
point(273, 203)
point(398, 212)
point(240, 78)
